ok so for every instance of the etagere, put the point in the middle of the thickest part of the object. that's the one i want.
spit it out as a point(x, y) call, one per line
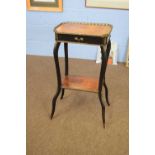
point(82, 33)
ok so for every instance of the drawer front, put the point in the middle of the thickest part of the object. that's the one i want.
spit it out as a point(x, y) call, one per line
point(80, 39)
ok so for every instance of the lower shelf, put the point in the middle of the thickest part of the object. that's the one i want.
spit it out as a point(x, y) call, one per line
point(80, 83)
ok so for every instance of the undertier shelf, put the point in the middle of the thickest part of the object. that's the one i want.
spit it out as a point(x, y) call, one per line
point(80, 83)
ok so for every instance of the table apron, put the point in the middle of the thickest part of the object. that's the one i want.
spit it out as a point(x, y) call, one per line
point(94, 40)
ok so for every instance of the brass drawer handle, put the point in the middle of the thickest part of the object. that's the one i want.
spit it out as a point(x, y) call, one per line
point(82, 39)
point(79, 39)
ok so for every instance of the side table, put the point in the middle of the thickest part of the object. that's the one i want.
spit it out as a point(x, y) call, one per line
point(82, 33)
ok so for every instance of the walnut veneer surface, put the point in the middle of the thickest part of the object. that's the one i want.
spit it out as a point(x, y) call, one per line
point(80, 83)
point(89, 29)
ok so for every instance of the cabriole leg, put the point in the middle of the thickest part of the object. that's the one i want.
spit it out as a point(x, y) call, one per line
point(103, 109)
point(104, 83)
point(55, 53)
point(66, 66)
point(62, 93)
point(101, 78)
point(106, 93)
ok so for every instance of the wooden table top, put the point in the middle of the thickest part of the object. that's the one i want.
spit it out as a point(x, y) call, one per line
point(88, 29)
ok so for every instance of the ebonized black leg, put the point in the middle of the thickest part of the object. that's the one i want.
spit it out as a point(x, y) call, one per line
point(66, 58)
point(62, 93)
point(104, 56)
point(55, 53)
point(66, 65)
point(104, 83)
point(54, 102)
point(102, 73)
point(106, 93)
point(103, 108)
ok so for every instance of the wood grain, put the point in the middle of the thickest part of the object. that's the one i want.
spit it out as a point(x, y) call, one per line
point(80, 83)
point(89, 29)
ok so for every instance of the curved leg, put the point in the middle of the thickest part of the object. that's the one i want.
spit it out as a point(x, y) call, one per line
point(101, 78)
point(104, 83)
point(55, 53)
point(54, 102)
point(105, 50)
point(66, 66)
point(66, 58)
point(103, 109)
point(106, 93)
point(62, 93)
